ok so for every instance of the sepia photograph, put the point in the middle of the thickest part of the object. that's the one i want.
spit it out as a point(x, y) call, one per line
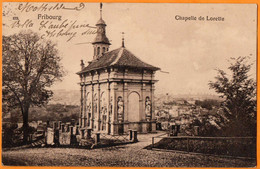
point(129, 84)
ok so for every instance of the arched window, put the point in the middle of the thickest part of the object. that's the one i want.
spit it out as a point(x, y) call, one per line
point(104, 49)
point(95, 51)
point(98, 50)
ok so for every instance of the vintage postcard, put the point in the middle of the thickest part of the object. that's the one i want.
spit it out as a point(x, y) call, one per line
point(129, 84)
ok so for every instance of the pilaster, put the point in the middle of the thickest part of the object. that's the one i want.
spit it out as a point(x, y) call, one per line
point(142, 99)
point(84, 107)
point(98, 109)
point(152, 97)
point(114, 108)
point(81, 106)
point(125, 93)
point(108, 107)
point(92, 106)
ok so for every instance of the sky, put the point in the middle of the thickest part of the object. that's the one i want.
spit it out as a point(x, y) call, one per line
point(189, 51)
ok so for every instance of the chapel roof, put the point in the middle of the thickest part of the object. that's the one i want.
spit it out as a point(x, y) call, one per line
point(101, 38)
point(101, 22)
point(120, 57)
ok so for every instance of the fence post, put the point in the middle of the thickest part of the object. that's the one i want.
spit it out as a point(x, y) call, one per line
point(188, 145)
point(82, 133)
point(135, 136)
point(196, 130)
point(71, 130)
point(66, 128)
point(130, 135)
point(54, 125)
point(77, 130)
point(62, 128)
point(30, 138)
point(152, 142)
point(89, 133)
point(97, 138)
point(59, 125)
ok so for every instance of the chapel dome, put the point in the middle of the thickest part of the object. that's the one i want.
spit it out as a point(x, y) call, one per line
point(101, 22)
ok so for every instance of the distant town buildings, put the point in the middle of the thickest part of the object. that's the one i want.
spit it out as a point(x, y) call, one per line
point(179, 111)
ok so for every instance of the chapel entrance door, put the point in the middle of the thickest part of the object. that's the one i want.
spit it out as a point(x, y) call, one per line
point(133, 110)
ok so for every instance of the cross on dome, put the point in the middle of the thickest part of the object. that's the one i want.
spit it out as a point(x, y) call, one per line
point(123, 39)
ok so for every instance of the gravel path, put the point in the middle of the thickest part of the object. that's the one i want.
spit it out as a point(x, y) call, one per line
point(129, 155)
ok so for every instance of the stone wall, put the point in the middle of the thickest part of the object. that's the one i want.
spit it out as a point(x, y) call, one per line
point(62, 133)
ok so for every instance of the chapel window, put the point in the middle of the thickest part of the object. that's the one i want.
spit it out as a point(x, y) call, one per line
point(98, 50)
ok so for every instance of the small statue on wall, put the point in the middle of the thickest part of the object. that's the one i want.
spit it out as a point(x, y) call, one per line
point(104, 110)
point(120, 109)
point(89, 107)
point(103, 104)
point(148, 108)
point(95, 106)
point(88, 112)
point(103, 117)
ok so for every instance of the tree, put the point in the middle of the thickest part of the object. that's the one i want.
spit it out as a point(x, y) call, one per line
point(30, 66)
point(207, 103)
point(206, 128)
point(239, 92)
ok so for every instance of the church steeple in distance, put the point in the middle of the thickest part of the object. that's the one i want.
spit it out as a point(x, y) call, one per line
point(101, 42)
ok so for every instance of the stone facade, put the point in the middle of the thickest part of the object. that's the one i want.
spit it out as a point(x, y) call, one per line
point(115, 100)
point(117, 90)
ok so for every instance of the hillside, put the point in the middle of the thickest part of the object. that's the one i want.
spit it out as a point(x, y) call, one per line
point(51, 112)
point(65, 97)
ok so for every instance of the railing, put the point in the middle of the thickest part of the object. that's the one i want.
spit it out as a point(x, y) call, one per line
point(117, 138)
point(159, 136)
point(229, 146)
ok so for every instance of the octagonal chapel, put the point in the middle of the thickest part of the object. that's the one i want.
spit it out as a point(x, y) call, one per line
point(117, 89)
